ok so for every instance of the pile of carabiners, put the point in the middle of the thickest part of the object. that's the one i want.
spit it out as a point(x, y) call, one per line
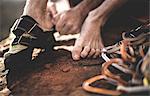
point(127, 65)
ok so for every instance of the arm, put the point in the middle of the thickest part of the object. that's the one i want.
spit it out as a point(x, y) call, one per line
point(87, 5)
point(105, 9)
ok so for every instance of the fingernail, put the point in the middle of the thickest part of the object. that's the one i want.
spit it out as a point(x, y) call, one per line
point(76, 57)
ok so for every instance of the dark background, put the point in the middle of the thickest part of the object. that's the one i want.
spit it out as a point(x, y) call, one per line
point(9, 11)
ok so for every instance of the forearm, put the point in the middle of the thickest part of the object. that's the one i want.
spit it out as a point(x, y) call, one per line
point(87, 5)
point(39, 2)
point(106, 8)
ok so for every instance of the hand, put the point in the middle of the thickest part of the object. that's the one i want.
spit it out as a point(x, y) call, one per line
point(69, 22)
point(89, 43)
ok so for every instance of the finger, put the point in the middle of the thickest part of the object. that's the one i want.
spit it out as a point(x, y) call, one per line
point(66, 28)
point(97, 53)
point(52, 8)
point(56, 18)
point(85, 51)
point(73, 30)
point(59, 26)
point(92, 52)
point(76, 51)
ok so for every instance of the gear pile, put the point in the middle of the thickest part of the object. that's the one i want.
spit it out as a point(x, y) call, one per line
point(127, 65)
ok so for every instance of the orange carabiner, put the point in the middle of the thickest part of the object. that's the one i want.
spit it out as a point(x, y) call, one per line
point(86, 86)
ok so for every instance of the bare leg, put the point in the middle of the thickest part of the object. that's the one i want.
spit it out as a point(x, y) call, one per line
point(40, 10)
point(89, 43)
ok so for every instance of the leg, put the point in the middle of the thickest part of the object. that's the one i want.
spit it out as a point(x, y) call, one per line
point(40, 13)
point(40, 10)
point(89, 43)
point(37, 13)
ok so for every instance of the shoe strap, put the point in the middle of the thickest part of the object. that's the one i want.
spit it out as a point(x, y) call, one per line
point(24, 24)
point(28, 32)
